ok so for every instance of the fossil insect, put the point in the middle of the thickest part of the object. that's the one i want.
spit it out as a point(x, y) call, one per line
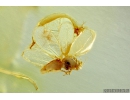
point(57, 42)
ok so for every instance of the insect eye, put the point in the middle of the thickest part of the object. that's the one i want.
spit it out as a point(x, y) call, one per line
point(67, 65)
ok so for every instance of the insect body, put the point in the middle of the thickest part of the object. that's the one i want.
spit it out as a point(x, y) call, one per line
point(57, 41)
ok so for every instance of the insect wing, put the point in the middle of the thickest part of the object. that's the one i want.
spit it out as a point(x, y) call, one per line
point(36, 56)
point(55, 37)
point(83, 43)
point(50, 41)
point(66, 37)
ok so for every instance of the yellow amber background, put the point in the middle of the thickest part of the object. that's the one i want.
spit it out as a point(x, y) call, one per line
point(107, 65)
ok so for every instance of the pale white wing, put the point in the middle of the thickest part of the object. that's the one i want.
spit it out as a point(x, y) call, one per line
point(55, 37)
point(83, 43)
point(66, 37)
point(35, 55)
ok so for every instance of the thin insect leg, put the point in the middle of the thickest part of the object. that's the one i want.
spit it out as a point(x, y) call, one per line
point(66, 72)
point(18, 75)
